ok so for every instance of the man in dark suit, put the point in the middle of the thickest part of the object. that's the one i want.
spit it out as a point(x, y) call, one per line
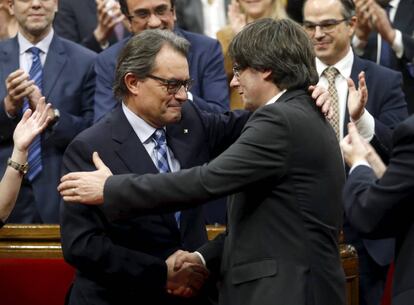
point(123, 262)
point(94, 24)
point(67, 81)
point(379, 200)
point(281, 241)
point(387, 39)
point(331, 25)
point(205, 58)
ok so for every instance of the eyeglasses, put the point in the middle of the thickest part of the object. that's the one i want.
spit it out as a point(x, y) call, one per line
point(173, 85)
point(161, 11)
point(325, 26)
point(236, 70)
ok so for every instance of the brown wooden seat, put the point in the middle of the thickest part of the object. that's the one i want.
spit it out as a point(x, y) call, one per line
point(32, 265)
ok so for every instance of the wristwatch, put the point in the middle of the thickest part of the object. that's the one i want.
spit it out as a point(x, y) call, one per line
point(56, 112)
point(21, 168)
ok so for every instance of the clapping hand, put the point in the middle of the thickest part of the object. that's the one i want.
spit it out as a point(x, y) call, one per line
point(236, 18)
point(31, 125)
point(109, 14)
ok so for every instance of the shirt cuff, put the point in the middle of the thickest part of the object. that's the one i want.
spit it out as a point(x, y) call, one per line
point(201, 257)
point(358, 163)
point(366, 126)
point(397, 44)
point(8, 115)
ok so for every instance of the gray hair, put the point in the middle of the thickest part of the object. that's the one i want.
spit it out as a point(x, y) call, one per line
point(138, 56)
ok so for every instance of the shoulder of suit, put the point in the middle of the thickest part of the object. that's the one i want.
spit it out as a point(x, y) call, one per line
point(374, 69)
point(112, 52)
point(75, 48)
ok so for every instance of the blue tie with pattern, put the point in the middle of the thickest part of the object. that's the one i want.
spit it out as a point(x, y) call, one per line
point(35, 149)
point(162, 158)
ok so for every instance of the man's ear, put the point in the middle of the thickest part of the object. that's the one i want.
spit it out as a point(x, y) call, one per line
point(10, 4)
point(132, 83)
point(266, 75)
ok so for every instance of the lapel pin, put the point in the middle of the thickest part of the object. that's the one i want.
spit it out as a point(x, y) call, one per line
point(185, 130)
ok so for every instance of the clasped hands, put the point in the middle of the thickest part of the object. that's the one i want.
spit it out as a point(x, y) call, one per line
point(186, 274)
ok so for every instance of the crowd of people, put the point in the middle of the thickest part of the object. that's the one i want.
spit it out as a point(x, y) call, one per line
point(134, 123)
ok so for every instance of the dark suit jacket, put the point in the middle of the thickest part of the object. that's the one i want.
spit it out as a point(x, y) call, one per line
point(384, 208)
point(69, 85)
point(206, 65)
point(403, 21)
point(76, 20)
point(283, 221)
point(386, 103)
point(122, 262)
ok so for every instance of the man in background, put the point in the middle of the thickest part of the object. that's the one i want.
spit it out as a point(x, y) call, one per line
point(38, 63)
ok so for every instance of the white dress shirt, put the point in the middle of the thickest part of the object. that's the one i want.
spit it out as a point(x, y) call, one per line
point(366, 124)
point(26, 57)
point(144, 131)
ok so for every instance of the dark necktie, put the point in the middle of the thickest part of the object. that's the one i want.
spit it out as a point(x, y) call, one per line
point(35, 149)
point(386, 51)
point(161, 156)
point(331, 73)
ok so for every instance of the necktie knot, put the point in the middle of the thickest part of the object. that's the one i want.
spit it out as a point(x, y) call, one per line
point(331, 73)
point(159, 137)
point(35, 51)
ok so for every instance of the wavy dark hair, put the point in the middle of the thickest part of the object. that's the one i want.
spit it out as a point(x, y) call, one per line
point(279, 46)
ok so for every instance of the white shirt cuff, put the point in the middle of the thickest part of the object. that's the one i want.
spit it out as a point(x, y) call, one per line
point(201, 257)
point(366, 126)
point(358, 163)
point(397, 44)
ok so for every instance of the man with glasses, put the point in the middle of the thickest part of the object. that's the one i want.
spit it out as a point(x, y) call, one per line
point(331, 25)
point(205, 58)
point(153, 129)
point(285, 209)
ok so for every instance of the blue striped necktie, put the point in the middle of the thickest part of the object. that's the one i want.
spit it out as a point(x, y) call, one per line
point(162, 158)
point(35, 149)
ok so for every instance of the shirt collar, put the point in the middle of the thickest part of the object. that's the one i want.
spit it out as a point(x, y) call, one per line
point(344, 66)
point(143, 130)
point(43, 45)
point(276, 97)
point(394, 3)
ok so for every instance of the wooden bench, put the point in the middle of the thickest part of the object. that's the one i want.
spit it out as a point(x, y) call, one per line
point(32, 269)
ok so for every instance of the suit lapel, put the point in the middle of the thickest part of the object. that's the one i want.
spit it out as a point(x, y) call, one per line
point(55, 62)
point(9, 61)
point(178, 138)
point(133, 154)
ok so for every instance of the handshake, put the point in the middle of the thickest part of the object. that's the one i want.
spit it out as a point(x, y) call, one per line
point(186, 274)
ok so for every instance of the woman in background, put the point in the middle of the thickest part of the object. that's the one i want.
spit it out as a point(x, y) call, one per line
point(240, 13)
point(31, 125)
